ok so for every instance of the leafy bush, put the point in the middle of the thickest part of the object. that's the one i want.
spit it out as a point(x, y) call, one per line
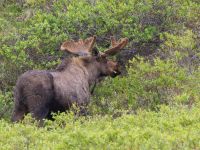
point(182, 48)
point(6, 104)
point(147, 85)
point(171, 128)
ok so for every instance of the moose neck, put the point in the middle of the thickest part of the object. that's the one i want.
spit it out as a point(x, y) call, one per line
point(93, 69)
point(86, 65)
point(93, 73)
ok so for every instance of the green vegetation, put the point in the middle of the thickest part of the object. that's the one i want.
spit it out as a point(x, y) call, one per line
point(155, 105)
point(148, 86)
point(171, 128)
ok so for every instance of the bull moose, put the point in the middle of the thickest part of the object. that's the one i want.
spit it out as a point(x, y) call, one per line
point(41, 92)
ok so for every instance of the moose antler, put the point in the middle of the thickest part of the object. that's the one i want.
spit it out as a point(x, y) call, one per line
point(116, 46)
point(81, 47)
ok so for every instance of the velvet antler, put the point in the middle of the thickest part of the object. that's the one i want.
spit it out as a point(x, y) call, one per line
point(81, 47)
point(116, 46)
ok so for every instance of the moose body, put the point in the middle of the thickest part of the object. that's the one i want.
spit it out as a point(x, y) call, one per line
point(42, 92)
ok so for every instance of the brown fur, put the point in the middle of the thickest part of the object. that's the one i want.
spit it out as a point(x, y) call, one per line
point(43, 92)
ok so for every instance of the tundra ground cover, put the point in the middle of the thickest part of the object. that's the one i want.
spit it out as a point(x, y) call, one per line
point(171, 128)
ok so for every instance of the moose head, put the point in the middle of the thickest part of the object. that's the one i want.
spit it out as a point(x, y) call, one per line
point(91, 56)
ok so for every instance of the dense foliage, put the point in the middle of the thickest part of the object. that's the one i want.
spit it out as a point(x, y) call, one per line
point(176, 128)
point(154, 105)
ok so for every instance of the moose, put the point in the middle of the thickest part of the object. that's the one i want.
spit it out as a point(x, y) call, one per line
point(41, 92)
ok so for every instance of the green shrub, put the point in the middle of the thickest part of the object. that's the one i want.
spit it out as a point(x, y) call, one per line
point(171, 128)
point(147, 85)
point(182, 48)
point(6, 104)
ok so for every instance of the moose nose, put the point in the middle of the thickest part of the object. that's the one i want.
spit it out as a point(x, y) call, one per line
point(115, 73)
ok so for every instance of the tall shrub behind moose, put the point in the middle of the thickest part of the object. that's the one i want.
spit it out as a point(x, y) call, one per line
point(42, 92)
